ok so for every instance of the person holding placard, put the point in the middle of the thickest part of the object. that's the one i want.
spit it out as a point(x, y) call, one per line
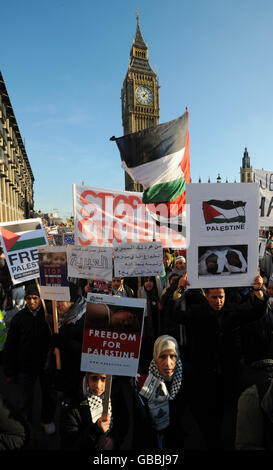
point(149, 291)
point(121, 289)
point(83, 426)
point(214, 351)
point(25, 353)
point(68, 340)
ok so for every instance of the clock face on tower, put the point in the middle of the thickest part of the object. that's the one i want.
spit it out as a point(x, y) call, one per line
point(144, 95)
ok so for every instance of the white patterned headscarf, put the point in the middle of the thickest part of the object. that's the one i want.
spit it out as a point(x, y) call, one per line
point(155, 389)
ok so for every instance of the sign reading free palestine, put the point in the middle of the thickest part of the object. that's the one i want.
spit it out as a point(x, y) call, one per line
point(20, 240)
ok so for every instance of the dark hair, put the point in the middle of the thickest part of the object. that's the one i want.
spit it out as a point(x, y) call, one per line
point(207, 289)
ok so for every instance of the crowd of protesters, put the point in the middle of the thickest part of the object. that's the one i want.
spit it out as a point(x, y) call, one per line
point(201, 348)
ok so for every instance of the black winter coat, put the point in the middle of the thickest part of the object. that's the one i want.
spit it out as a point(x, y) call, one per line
point(15, 432)
point(214, 337)
point(174, 434)
point(69, 342)
point(78, 432)
point(27, 344)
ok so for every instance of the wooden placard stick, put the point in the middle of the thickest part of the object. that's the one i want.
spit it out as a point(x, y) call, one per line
point(44, 305)
point(107, 395)
point(55, 323)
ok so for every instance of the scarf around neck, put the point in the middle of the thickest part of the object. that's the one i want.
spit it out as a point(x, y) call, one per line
point(75, 312)
point(96, 404)
point(158, 395)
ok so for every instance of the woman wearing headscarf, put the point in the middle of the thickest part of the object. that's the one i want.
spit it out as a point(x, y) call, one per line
point(149, 291)
point(163, 397)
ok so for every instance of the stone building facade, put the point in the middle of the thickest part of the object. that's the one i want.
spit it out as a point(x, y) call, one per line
point(16, 177)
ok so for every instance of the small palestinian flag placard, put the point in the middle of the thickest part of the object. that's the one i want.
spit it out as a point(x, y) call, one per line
point(20, 240)
point(223, 212)
point(224, 227)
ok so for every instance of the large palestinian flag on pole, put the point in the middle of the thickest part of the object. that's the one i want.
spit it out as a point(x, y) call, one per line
point(159, 159)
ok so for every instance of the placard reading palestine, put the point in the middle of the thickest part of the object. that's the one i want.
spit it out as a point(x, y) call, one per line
point(223, 248)
point(20, 240)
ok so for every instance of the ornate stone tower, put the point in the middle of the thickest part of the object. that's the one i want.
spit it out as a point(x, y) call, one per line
point(246, 169)
point(139, 95)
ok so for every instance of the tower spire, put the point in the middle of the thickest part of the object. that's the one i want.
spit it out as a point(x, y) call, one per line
point(138, 40)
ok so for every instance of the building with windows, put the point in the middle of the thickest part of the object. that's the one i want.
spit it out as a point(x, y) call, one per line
point(16, 177)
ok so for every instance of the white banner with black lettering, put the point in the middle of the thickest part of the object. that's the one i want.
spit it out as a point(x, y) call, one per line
point(265, 180)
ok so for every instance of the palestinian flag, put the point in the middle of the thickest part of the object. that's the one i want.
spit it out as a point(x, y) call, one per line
point(22, 235)
point(159, 159)
point(221, 212)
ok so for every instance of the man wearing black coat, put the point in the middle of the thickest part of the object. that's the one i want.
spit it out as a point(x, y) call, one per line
point(213, 335)
point(25, 354)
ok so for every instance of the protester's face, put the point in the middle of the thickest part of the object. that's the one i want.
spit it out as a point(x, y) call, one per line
point(116, 283)
point(96, 383)
point(167, 261)
point(180, 264)
point(33, 302)
point(270, 291)
point(124, 318)
point(166, 362)
point(63, 307)
point(148, 284)
point(216, 298)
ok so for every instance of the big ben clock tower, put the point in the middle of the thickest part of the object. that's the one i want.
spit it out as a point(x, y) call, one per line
point(139, 95)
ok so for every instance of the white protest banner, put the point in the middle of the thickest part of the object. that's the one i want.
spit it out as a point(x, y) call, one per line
point(103, 217)
point(20, 240)
point(265, 181)
point(112, 334)
point(138, 259)
point(223, 248)
point(54, 284)
point(90, 262)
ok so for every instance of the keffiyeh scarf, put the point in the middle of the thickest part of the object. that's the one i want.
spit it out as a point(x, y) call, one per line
point(158, 395)
point(96, 404)
point(75, 312)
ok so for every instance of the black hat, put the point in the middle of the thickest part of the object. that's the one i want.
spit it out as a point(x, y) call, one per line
point(32, 290)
